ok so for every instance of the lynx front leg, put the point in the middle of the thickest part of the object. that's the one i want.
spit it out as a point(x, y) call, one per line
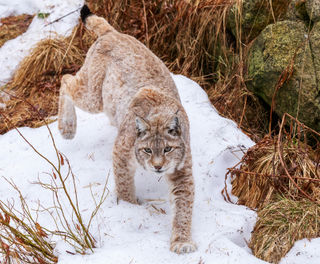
point(124, 172)
point(182, 191)
point(67, 119)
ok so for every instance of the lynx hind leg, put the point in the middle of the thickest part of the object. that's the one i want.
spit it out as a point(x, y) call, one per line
point(67, 119)
point(182, 192)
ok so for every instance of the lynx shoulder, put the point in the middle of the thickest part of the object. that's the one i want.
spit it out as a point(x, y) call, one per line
point(124, 79)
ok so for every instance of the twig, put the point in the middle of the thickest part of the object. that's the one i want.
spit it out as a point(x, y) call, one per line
point(224, 191)
point(80, 233)
point(285, 166)
point(146, 23)
point(284, 76)
point(301, 124)
point(27, 242)
point(56, 20)
point(272, 176)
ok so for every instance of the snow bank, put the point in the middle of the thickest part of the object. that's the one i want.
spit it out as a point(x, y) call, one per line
point(129, 232)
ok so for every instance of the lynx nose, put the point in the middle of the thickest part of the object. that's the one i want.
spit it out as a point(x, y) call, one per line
point(158, 168)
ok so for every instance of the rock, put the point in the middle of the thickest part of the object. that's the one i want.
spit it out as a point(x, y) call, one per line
point(255, 16)
point(315, 51)
point(297, 11)
point(313, 9)
point(272, 53)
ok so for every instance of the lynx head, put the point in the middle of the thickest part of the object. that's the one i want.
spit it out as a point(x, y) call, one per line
point(159, 146)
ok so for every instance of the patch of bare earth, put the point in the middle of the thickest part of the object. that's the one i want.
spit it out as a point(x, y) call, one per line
point(13, 26)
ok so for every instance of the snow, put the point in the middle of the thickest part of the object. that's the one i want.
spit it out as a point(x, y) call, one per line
point(17, 7)
point(127, 233)
point(303, 251)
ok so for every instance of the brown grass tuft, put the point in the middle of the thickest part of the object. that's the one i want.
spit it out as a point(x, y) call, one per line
point(48, 57)
point(280, 224)
point(44, 96)
point(283, 164)
point(233, 100)
point(262, 175)
point(13, 26)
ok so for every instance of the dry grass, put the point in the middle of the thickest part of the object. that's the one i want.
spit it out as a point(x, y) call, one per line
point(22, 238)
point(261, 174)
point(233, 100)
point(43, 96)
point(229, 93)
point(280, 224)
point(81, 38)
point(280, 175)
point(181, 33)
point(48, 57)
point(13, 26)
point(283, 164)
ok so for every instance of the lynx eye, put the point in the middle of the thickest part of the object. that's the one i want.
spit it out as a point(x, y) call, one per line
point(167, 149)
point(147, 150)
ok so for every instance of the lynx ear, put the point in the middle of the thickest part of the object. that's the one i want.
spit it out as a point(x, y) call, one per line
point(174, 127)
point(141, 126)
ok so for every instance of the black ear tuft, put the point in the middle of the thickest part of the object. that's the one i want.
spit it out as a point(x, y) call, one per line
point(141, 127)
point(174, 127)
point(84, 13)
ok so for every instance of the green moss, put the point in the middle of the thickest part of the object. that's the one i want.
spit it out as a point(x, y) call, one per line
point(270, 57)
point(255, 16)
point(313, 9)
point(43, 15)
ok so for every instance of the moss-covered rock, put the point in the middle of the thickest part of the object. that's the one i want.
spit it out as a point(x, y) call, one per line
point(313, 9)
point(254, 16)
point(315, 41)
point(277, 47)
point(297, 11)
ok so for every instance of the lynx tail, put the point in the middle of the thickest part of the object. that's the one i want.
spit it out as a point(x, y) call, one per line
point(92, 22)
point(84, 13)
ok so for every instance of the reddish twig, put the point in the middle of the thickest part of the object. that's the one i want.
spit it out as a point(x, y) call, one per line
point(285, 166)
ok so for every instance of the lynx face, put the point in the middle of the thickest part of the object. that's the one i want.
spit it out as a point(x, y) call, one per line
point(159, 149)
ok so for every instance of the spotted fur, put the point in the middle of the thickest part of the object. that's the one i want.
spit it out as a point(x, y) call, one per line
point(124, 79)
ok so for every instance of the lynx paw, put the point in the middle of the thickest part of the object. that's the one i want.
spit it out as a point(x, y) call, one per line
point(132, 200)
point(67, 129)
point(183, 247)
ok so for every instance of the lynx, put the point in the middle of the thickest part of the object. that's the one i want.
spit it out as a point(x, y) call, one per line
point(124, 79)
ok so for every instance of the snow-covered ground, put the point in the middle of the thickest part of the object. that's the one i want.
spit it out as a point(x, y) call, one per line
point(129, 233)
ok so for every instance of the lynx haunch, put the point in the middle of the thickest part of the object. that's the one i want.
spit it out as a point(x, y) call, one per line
point(125, 80)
